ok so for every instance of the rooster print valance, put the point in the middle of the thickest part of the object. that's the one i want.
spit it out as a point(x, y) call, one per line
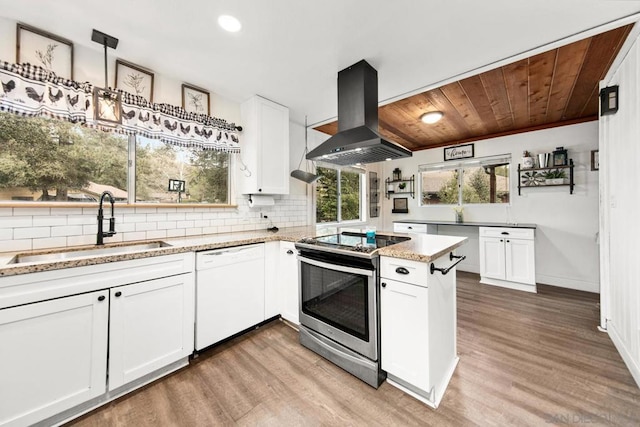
point(32, 91)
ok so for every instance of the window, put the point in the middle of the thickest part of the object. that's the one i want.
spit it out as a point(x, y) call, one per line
point(479, 181)
point(206, 173)
point(53, 160)
point(339, 195)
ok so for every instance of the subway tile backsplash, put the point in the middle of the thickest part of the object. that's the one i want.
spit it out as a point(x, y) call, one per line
point(27, 228)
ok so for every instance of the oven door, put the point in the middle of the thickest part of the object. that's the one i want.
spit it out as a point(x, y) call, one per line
point(339, 302)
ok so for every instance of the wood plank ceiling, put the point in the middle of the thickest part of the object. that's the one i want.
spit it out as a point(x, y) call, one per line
point(554, 88)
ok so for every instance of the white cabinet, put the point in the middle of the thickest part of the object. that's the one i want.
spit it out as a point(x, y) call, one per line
point(53, 356)
point(265, 147)
point(288, 282)
point(231, 292)
point(418, 326)
point(61, 329)
point(151, 326)
point(405, 321)
point(507, 258)
point(271, 279)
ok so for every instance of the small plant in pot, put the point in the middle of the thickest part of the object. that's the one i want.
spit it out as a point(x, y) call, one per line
point(402, 185)
point(554, 177)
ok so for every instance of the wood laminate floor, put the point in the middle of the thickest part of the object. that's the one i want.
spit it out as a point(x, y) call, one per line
point(525, 359)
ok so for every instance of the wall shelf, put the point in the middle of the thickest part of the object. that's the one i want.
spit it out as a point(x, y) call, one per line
point(395, 183)
point(537, 179)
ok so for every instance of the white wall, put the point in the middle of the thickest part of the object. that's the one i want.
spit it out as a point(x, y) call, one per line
point(89, 66)
point(567, 225)
point(620, 203)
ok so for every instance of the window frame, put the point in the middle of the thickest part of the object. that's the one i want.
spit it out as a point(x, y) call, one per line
point(361, 197)
point(131, 187)
point(459, 166)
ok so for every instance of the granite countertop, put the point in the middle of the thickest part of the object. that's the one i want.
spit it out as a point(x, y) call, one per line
point(423, 248)
point(469, 224)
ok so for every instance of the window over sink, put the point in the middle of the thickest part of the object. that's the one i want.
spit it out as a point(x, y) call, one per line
point(45, 160)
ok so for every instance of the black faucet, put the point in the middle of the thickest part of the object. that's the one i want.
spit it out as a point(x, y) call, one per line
point(112, 220)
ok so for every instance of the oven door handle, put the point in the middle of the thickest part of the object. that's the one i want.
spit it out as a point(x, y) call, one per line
point(336, 267)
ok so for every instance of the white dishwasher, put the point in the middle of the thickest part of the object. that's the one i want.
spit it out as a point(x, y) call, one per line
point(229, 292)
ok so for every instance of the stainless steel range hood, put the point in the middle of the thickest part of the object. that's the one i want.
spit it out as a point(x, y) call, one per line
point(357, 140)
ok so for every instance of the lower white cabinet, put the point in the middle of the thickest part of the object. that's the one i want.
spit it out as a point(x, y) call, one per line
point(53, 356)
point(62, 331)
point(507, 258)
point(288, 282)
point(418, 326)
point(404, 326)
point(151, 326)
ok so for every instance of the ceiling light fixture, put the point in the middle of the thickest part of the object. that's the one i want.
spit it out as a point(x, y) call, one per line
point(229, 23)
point(432, 117)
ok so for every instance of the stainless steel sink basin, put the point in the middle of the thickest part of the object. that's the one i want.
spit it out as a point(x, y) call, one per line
point(88, 252)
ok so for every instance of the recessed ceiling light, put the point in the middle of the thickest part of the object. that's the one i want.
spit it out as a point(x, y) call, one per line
point(388, 159)
point(229, 23)
point(432, 117)
point(358, 149)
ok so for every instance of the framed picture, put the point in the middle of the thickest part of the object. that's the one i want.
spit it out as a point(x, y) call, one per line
point(400, 205)
point(134, 79)
point(458, 152)
point(595, 160)
point(45, 50)
point(195, 100)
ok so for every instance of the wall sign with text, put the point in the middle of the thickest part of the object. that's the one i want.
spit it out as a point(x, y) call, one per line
point(458, 152)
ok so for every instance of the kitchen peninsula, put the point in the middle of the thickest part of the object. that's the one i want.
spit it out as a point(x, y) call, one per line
point(97, 293)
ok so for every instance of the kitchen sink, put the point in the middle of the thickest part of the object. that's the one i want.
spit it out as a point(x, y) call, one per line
point(87, 252)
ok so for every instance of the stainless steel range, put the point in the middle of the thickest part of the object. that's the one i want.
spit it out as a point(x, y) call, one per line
point(339, 294)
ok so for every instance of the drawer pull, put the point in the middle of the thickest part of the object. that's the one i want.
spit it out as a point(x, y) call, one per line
point(289, 252)
point(402, 270)
point(118, 294)
point(101, 298)
point(383, 284)
point(505, 233)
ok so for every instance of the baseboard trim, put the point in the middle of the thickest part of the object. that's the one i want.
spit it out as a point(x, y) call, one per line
point(626, 355)
point(510, 285)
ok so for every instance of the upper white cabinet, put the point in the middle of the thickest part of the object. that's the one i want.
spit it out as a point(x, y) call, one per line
point(507, 258)
point(265, 147)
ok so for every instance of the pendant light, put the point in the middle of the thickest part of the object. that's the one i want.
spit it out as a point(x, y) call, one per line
point(107, 103)
point(304, 175)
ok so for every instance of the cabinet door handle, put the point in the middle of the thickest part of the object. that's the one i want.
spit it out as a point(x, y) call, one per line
point(383, 284)
point(505, 233)
point(118, 294)
point(508, 241)
point(289, 252)
point(402, 270)
point(101, 298)
point(410, 228)
point(502, 240)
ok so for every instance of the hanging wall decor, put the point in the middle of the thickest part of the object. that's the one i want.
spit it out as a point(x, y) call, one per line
point(195, 100)
point(43, 49)
point(134, 79)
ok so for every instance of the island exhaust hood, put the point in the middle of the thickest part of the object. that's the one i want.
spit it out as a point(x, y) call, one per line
point(357, 140)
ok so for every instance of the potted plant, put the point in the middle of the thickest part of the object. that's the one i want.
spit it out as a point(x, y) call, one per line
point(554, 177)
point(402, 185)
